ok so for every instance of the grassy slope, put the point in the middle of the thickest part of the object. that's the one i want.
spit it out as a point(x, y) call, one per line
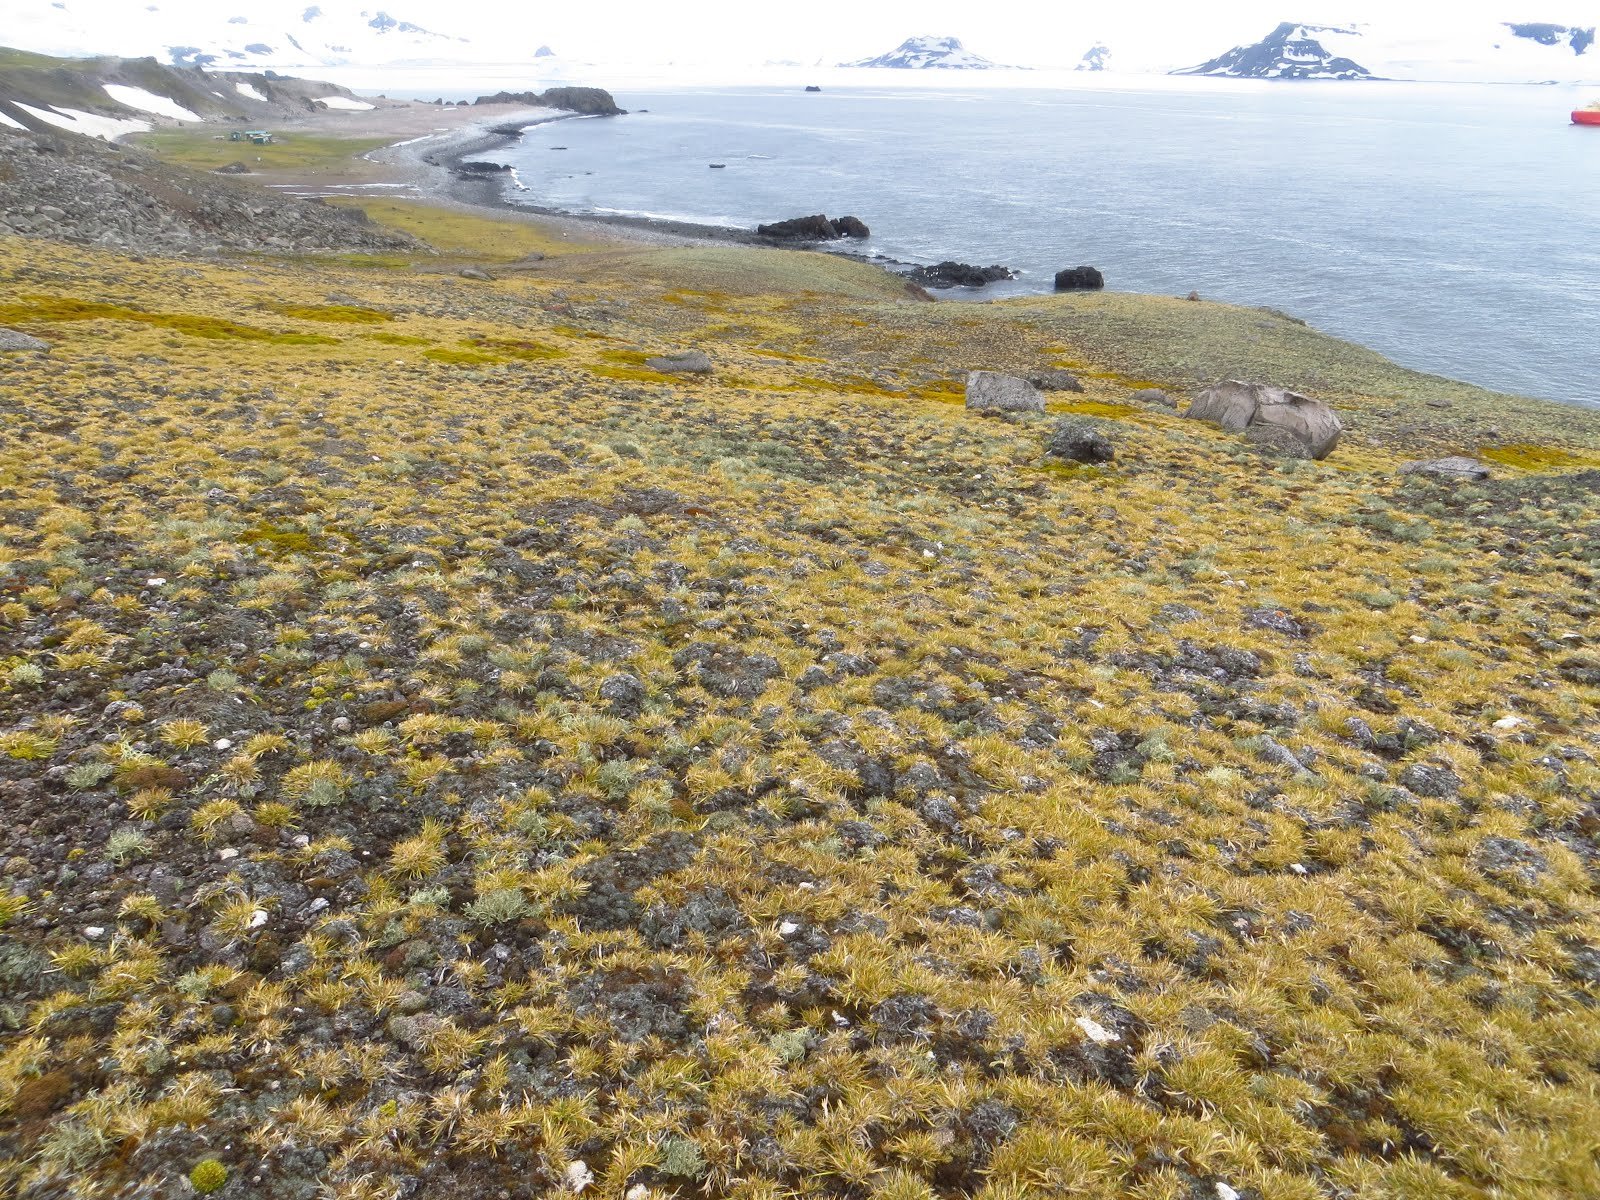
point(941, 847)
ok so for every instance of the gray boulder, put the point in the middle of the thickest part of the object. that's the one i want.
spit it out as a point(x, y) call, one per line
point(1078, 441)
point(11, 341)
point(1055, 381)
point(685, 362)
point(1288, 418)
point(1154, 396)
point(990, 391)
point(477, 273)
point(1456, 466)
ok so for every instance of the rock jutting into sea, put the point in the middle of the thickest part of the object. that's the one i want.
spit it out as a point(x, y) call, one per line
point(815, 229)
point(957, 274)
point(585, 101)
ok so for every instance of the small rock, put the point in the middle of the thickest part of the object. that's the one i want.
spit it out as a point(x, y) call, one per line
point(1078, 441)
point(1095, 1032)
point(342, 725)
point(1509, 858)
point(1153, 396)
point(684, 362)
point(1456, 466)
point(990, 391)
point(11, 342)
point(477, 273)
point(1438, 783)
point(579, 1176)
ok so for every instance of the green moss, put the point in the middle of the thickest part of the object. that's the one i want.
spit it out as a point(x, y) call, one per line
point(280, 543)
point(346, 313)
point(208, 1176)
point(462, 358)
point(1526, 457)
point(517, 348)
point(396, 339)
point(60, 308)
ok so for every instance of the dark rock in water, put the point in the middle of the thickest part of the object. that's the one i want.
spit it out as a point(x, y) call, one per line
point(476, 167)
point(1455, 467)
point(233, 168)
point(811, 87)
point(686, 362)
point(956, 274)
point(719, 166)
point(1078, 279)
point(1055, 380)
point(587, 101)
point(1079, 441)
point(815, 229)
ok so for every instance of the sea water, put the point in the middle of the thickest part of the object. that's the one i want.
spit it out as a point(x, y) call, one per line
point(1454, 228)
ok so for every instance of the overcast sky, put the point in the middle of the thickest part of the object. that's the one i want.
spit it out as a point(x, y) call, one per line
point(1021, 32)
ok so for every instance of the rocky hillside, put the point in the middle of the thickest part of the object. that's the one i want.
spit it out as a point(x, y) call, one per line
point(619, 725)
point(112, 97)
point(79, 190)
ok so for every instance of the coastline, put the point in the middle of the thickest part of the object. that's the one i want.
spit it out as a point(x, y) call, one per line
point(430, 164)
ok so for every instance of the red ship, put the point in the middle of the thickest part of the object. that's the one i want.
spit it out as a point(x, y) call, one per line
point(1587, 116)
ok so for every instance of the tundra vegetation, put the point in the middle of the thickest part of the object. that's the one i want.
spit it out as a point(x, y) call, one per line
point(441, 755)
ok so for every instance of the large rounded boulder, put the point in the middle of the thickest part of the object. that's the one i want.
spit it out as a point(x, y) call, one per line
point(1278, 416)
point(990, 391)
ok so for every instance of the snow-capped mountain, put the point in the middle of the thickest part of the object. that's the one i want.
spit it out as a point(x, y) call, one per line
point(239, 34)
point(928, 53)
point(1463, 51)
point(1290, 52)
point(1096, 58)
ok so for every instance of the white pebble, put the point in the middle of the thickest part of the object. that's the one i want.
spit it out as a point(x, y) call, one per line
point(222, 744)
point(1224, 1192)
point(94, 931)
point(227, 854)
point(637, 1192)
point(1095, 1031)
point(788, 927)
point(578, 1175)
point(155, 582)
point(1510, 722)
point(1299, 868)
point(258, 918)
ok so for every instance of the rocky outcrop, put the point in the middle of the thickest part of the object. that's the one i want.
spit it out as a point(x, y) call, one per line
point(585, 101)
point(811, 87)
point(1075, 440)
point(1278, 419)
point(990, 391)
point(950, 274)
point(1080, 279)
point(815, 229)
point(76, 189)
point(1456, 466)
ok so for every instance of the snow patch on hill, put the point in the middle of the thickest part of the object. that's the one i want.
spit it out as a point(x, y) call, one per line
point(162, 106)
point(92, 124)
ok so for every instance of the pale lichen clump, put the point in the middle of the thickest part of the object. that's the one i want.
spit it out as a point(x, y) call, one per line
point(435, 747)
